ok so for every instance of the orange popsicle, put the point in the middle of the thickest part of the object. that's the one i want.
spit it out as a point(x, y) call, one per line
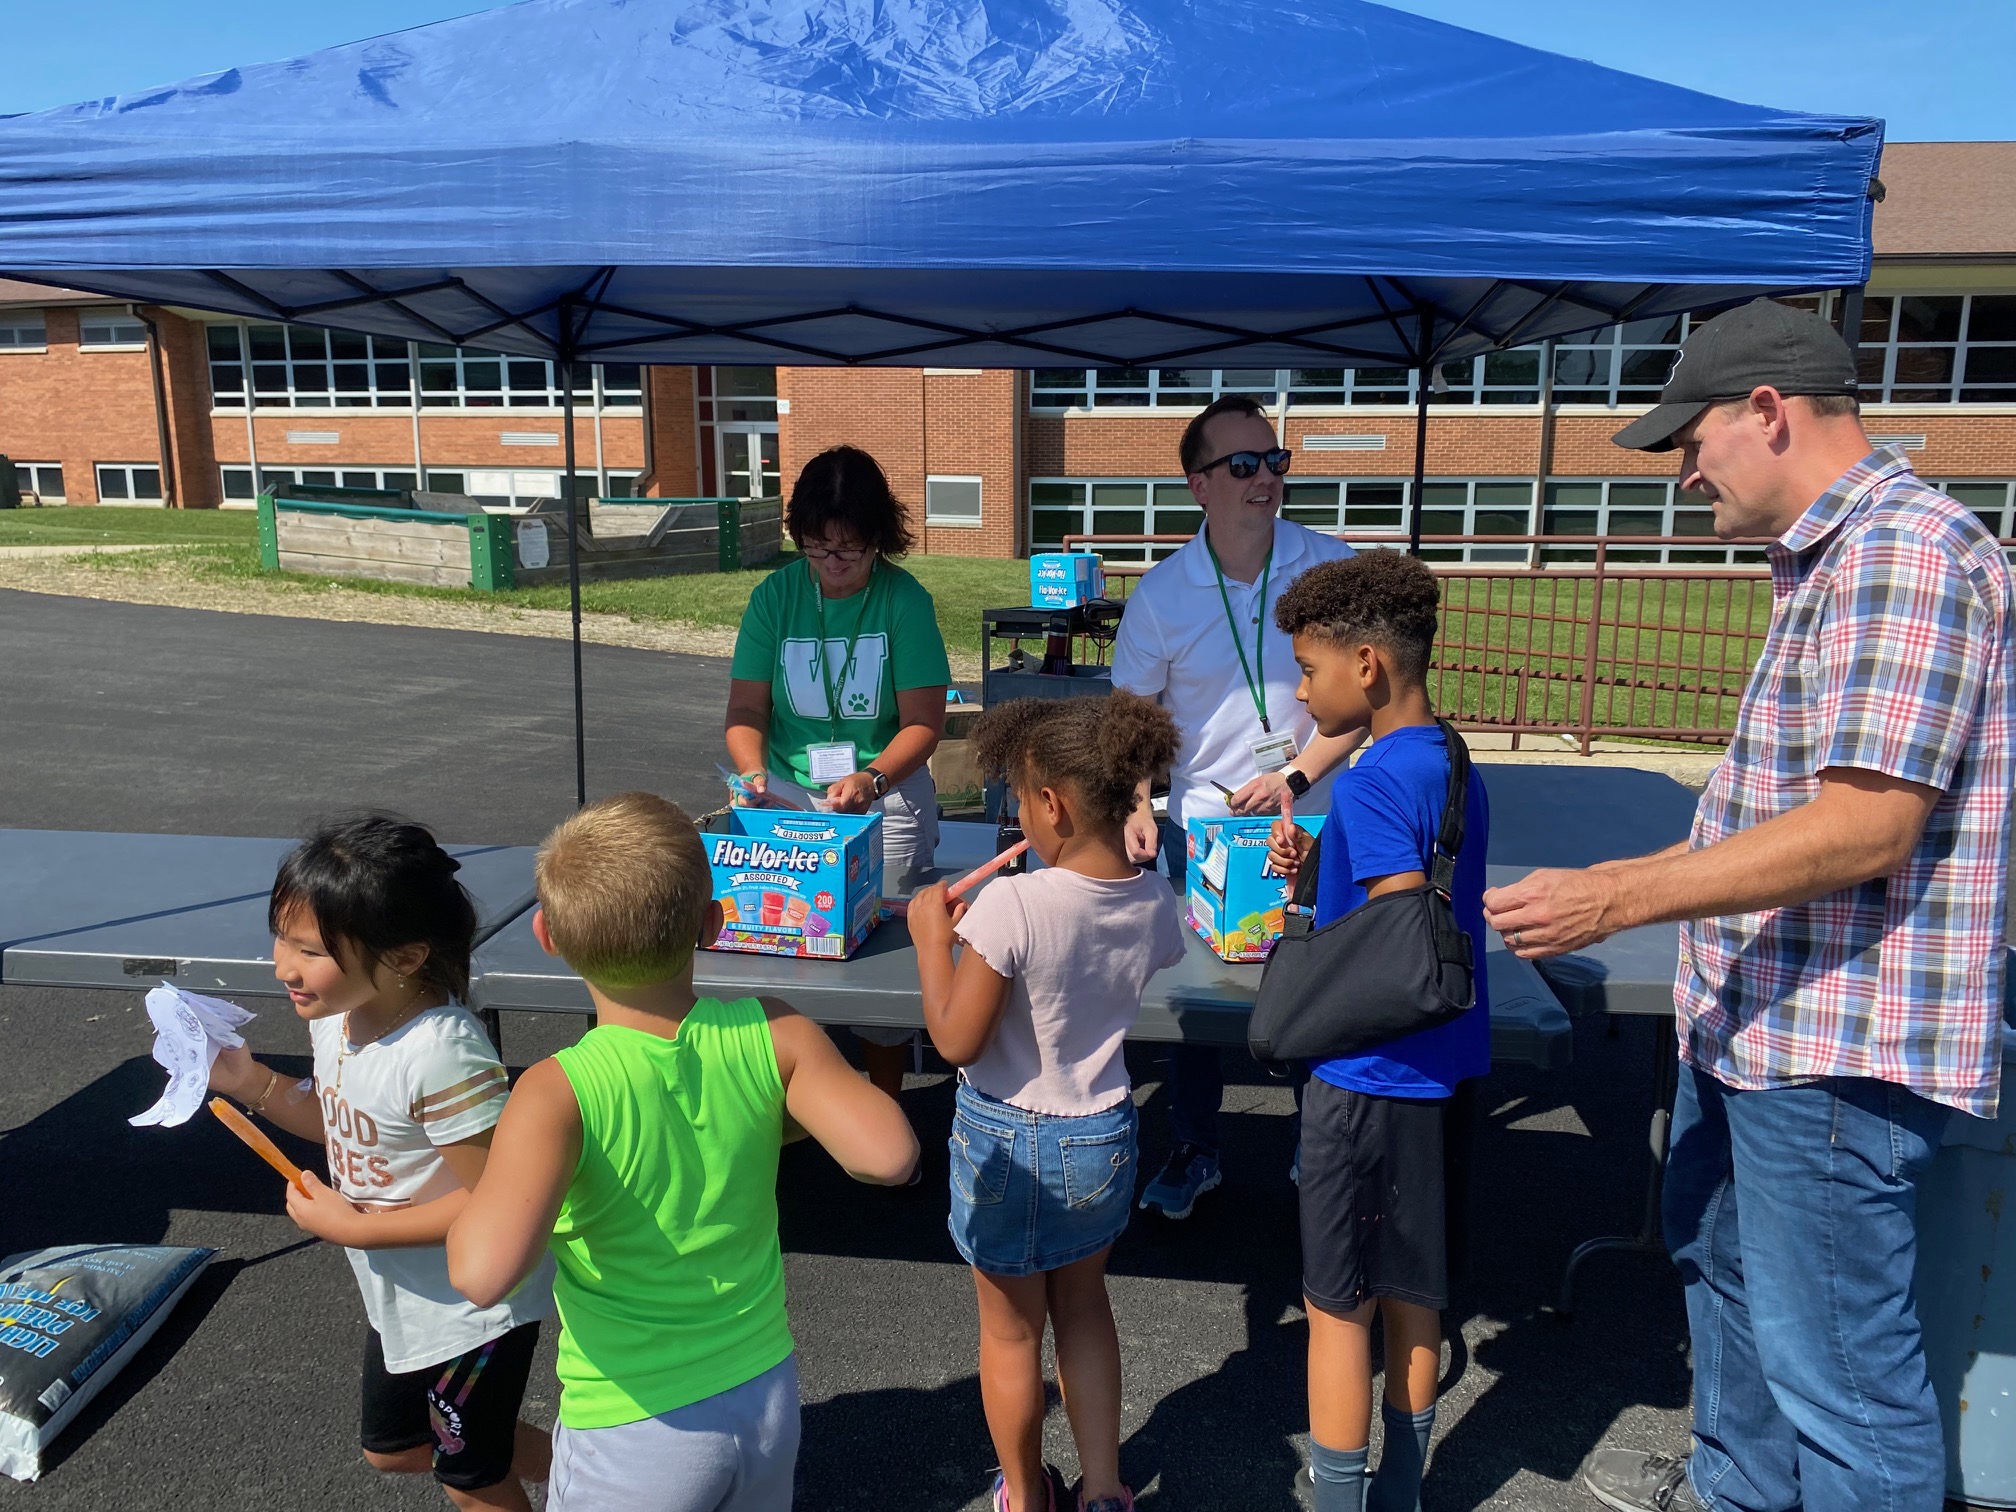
point(980, 874)
point(263, 1147)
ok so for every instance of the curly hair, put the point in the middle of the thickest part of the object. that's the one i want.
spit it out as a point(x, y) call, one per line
point(845, 489)
point(1385, 598)
point(1099, 748)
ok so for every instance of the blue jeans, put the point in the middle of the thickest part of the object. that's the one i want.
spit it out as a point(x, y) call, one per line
point(1037, 1191)
point(1791, 1214)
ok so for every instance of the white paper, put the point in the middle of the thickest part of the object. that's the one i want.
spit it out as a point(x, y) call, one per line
point(189, 1030)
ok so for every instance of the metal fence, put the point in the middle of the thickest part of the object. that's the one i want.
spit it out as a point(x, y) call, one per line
point(1584, 649)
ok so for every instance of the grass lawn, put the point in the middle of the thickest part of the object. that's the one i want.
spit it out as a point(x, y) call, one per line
point(114, 525)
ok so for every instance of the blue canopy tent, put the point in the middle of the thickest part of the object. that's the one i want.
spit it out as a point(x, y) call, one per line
point(979, 182)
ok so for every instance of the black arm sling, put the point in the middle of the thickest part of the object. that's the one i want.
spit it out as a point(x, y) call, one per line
point(1393, 966)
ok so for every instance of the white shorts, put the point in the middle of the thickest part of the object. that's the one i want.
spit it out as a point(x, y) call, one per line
point(736, 1451)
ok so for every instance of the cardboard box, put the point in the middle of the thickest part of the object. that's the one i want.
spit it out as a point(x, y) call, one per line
point(1235, 895)
point(794, 883)
point(1065, 579)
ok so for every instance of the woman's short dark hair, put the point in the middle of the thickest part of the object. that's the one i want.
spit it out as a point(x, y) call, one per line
point(844, 490)
point(373, 883)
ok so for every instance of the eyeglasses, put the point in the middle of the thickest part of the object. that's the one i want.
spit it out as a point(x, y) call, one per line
point(846, 558)
point(1243, 464)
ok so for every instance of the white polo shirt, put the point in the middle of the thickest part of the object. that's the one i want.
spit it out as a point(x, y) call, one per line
point(1175, 646)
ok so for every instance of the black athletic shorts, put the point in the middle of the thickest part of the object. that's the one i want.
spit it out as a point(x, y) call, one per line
point(467, 1407)
point(1373, 1217)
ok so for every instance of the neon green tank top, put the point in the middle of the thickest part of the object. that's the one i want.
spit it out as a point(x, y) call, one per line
point(670, 1284)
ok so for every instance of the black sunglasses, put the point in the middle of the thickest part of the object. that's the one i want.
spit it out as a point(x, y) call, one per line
point(1243, 464)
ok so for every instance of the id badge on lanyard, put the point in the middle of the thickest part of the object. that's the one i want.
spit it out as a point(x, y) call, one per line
point(830, 761)
point(1272, 752)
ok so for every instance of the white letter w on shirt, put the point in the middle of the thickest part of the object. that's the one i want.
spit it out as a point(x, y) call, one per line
point(861, 690)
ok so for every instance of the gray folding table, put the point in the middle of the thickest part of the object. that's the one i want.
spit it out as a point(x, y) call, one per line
point(86, 909)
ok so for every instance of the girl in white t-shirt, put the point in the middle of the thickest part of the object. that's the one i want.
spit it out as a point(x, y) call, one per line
point(372, 937)
point(1036, 1013)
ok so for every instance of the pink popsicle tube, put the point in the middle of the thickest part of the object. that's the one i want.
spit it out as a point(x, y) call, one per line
point(795, 910)
point(981, 873)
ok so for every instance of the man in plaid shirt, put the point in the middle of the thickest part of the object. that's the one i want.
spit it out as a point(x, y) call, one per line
point(1841, 963)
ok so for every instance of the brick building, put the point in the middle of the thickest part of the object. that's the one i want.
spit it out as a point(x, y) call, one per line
point(100, 401)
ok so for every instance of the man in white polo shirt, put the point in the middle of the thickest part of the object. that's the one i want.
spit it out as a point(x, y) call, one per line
point(1199, 637)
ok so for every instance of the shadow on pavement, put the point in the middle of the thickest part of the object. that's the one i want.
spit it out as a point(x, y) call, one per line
point(97, 1179)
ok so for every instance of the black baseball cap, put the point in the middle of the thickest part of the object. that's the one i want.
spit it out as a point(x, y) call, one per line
point(1760, 344)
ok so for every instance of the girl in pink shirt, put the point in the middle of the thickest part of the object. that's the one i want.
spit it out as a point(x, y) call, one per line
point(1035, 1015)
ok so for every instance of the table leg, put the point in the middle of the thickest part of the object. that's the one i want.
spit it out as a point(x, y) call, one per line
point(1649, 1239)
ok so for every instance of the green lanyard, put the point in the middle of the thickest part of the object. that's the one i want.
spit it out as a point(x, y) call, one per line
point(1255, 685)
point(827, 678)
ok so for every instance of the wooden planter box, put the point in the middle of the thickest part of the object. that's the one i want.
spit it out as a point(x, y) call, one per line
point(394, 542)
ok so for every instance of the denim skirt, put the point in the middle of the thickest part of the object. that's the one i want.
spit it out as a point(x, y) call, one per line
point(1035, 1191)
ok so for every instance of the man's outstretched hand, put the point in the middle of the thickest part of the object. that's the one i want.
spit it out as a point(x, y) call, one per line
point(1551, 912)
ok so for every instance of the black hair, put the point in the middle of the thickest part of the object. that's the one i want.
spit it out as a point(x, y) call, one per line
point(373, 883)
point(1191, 449)
point(1383, 598)
point(1099, 747)
point(845, 488)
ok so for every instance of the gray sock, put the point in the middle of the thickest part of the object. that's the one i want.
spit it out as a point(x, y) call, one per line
point(1397, 1486)
point(1338, 1476)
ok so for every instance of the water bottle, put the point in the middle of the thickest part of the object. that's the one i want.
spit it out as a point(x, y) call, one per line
point(1057, 655)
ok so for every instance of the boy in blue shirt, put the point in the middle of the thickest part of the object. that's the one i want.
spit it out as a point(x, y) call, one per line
point(1372, 1202)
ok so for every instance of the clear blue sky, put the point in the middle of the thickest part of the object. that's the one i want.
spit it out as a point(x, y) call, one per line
point(1936, 70)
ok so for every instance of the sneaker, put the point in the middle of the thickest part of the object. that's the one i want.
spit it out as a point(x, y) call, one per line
point(1190, 1172)
point(1631, 1481)
point(1053, 1483)
point(1124, 1502)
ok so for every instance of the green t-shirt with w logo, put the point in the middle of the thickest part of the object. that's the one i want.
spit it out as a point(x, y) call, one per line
point(891, 626)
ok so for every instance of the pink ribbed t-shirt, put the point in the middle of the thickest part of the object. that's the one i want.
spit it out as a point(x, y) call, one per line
point(1079, 950)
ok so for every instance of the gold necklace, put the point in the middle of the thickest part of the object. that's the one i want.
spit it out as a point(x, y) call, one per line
point(343, 1047)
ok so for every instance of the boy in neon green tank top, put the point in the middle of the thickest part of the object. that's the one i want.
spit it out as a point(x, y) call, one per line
point(645, 1158)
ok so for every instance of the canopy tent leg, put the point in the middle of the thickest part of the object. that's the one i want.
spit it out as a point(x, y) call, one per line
point(1421, 381)
point(1424, 377)
point(565, 363)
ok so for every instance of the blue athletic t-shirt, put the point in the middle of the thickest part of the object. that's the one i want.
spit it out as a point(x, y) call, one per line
point(1384, 813)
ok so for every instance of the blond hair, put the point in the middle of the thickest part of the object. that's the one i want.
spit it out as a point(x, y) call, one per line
point(625, 885)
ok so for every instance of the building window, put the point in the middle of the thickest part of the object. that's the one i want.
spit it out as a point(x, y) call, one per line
point(109, 330)
point(129, 481)
point(951, 501)
point(306, 368)
point(42, 479)
point(736, 394)
point(1501, 378)
point(23, 331)
point(238, 480)
point(1988, 498)
point(1623, 507)
point(1938, 349)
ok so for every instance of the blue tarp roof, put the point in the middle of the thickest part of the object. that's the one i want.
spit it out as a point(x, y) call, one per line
point(982, 182)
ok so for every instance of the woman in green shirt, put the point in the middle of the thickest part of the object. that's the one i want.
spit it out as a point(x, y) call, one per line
point(838, 684)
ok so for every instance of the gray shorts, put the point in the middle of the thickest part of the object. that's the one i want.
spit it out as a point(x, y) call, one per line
point(733, 1452)
point(909, 842)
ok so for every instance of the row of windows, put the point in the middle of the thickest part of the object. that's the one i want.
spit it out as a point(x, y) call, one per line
point(98, 329)
point(1914, 349)
point(302, 367)
point(489, 486)
point(1372, 508)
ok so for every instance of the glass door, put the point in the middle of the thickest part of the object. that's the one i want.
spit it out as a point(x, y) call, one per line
point(748, 461)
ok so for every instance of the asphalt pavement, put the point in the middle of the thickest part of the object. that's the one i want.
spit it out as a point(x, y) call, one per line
point(130, 717)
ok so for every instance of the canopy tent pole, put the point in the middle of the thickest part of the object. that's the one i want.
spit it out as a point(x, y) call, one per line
point(1423, 378)
point(565, 362)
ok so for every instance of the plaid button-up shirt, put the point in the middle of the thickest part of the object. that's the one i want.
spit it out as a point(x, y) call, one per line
point(1889, 651)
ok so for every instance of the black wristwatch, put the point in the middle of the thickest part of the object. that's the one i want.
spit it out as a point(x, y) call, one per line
point(1298, 784)
point(882, 783)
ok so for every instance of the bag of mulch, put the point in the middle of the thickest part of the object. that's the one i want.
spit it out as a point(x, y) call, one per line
point(70, 1319)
